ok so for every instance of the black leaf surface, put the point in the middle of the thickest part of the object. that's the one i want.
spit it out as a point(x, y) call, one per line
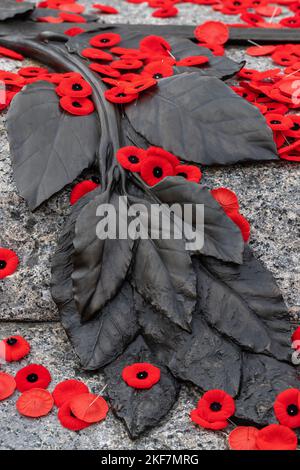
point(10, 8)
point(102, 339)
point(100, 265)
point(202, 120)
point(244, 304)
point(49, 147)
point(140, 409)
point(263, 379)
point(222, 238)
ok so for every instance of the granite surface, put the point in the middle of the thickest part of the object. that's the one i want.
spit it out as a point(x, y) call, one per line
point(269, 198)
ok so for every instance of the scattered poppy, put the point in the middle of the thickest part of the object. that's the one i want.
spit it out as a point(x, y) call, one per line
point(243, 438)
point(106, 70)
point(50, 19)
point(105, 40)
point(276, 437)
point(72, 7)
point(212, 32)
point(167, 12)
point(108, 10)
point(259, 51)
point(139, 85)
point(14, 348)
point(119, 95)
point(81, 189)
point(216, 405)
point(77, 106)
point(7, 385)
point(66, 390)
point(193, 61)
point(277, 122)
point(189, 172)
point(157, 70)
point(68, 419)
point(131, 158)
point(29, 72)
point(35, 403)
point(74, 31)
point(75, 86)
point(96, 54)
point(155, 44)
point(294, 128)
point(154, 169)
point(127, 64)
point(268, 10)
point(242, 223)
point(287, 408)
point(226, 198)
point(71, 17)
point(197, 418)
point(296, 338)
point(141, 375)
point(89, 407)
point(162, 153)
point(10, 54)
point(8, 262)
point(32, 376)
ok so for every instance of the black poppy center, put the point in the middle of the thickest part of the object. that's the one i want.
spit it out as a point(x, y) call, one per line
point(295, 127)
point(292, 410)
point(11, 341)
point(32, 378)
point(104, 40)
point(76, 87)
point(215, 406)
point(95, 179)
point(3, 264)
point(182, 174)
point(76, 104)
point(157, 76)
point(121, 95)
point(275, 122)
point(133, 159)
point(237, 4)
point(157, 172)
point(142, 375)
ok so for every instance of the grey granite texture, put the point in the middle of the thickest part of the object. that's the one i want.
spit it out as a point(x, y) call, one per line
point(269, 198)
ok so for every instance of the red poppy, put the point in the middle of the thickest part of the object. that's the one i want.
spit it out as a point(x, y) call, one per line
point(226, 198)
point(294, 129)
point(108, 10)
point(193, 61)
point(276, 437)
point(286, 408)
point(119, 95)
point(158, 70)
point(242, 223)
point(167, 12)
point(81, 189)
point(243, 438)
point(72, 7)
point(77, 106)
point(7, 385)
point(212, 32)
point(284, 58)
point(96, 54)
point(32, 376)
point(259, 51)
point(35, 403)
point(14, 348)
point(268, 11)
point(155, 44)
point(137, 86)
point(154, 169)
point(216, 49)
point(89, 407)
point(50, 19)
point(30, 72)
point(10, 54)
point(291, 22)
point(8, 262)
point(189, 172)
point(141, 375)
point(74, 31)
point(277, 122)
point(105, 70)
point(296, 338)
point(12, 79)
point(216, 405)
point(105, 40)
point(163, 154)
point(75, 86)
point(127, 64)
point(197, 418)
point(71, 17)
point(68, 420)
point(66, 390)
point(131, 158)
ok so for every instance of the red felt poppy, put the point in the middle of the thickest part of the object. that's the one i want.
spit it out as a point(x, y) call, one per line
point(105, 40)
point(243, 438)
point(259, 51)
point(277, 122)
point(276, 437)
point(158, 70)
point(291, 22)
point(96, 54)
point(81, 189)
point(119, 95)
point(75, 86)
point(284, 58)
point(106, 9)
point(216, 49)
point(12, 79)
point(212, 32)
point(72, 7)
point(155, 44)
point(50, 19)
point(296, 338)
point(89, 407)
point(4, 52)
point(68, 420)
point(226, 198)
point(77, 106)
point(35, 403)
point(71, 17)
point(8, 262)
point(74, 31)
point(139, 85)
point(294, 129)
point(163, 154)
point(193, 61)
point(106, 70)
point(268, 11)
point(30, 72)
point(66, 390)
point(278, 108)
point(141, 375)
point(32, 376)
point(242, 223)
point(197, 418)
point(127, 64)
point(216, 405)
point(154, 169)
point(14, 348)
point(7, 385)
point(131, 158)
point(189, 172)
point(287, 408)
point(167, 12)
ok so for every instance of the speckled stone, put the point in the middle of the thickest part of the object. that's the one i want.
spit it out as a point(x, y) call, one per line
point(269, 198)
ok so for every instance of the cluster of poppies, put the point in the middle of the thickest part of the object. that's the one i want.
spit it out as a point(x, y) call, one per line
point(216, 407)
point(67, 7)
point(75, 95)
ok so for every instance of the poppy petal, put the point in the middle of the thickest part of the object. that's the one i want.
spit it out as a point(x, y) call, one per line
point(77, 106)
point(14, 348)
point(66, 390)
point(226, 198)
point(243, 438)
point(35, 403)
point(212, 32)
point(89, 407)
point(81, 189)
point(7, 385)
point(215, 426)
point(276, 437)
point(68, 420)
